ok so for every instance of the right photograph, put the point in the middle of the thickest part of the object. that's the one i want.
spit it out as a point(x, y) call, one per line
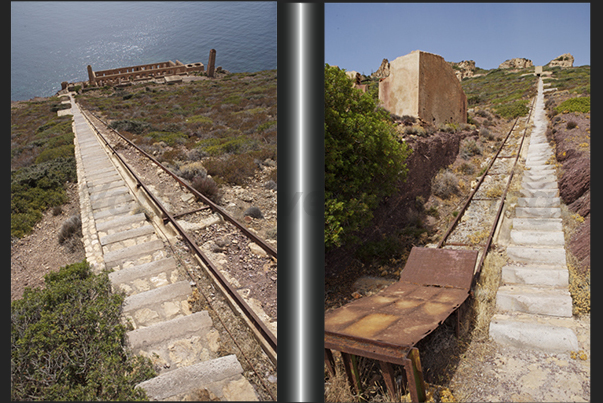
point(457, 202)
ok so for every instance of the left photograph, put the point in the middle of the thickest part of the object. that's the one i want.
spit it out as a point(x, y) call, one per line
point(144, 201)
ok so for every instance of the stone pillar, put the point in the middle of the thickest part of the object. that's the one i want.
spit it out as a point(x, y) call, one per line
point(211, 64)
point(91, 76)
point(64, 85)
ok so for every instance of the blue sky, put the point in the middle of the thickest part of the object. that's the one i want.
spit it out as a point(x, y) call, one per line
point(358, 36)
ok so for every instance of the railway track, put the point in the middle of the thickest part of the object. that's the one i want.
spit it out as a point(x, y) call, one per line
point(170, 249)
point(477, 220)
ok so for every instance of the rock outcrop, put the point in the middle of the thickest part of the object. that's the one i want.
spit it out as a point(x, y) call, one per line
point(565, 60)
point(463, 69)
point(382, 71)
point(516, 63)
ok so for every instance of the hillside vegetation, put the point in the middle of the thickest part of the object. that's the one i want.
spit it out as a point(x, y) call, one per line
point(42, 161)
point(230, 124)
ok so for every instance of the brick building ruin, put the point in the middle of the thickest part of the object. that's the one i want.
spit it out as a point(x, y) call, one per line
point(423, 85)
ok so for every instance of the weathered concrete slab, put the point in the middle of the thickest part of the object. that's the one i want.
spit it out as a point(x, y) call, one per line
point(539, 201)
point(538, 224)
point(527, 237)
point(117, 257)
point(145, 277)
point(532, 335)
point(121, 222)
point(539, 192)
point(538, 212)
point(103, 193)
point(221, 376)
point(158, 305)
point(536, 255)
point(110, 177)
point(127, 234)
point(179, 342)
point(111, 201)
point(530, 185)
point(534, 300)
point(554, 276)
point(93, 189)
point(114, 211)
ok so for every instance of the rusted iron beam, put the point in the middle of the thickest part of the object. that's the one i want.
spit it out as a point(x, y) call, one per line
point(188, 212)
point(414, 373)
point(387, 370)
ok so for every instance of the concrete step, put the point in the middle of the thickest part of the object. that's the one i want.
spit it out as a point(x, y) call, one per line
point(117, 257)
point(539, 193)
point(179, 342)
point(120, 223)
point(542, 238)
point(111, 201)
point(537, 224)
point(220, 378)
point(158, 305)
point(114, 192)
point(536, 255)
point(554, 276)
point(538, 212)
point(145, 277)
point(540, 185)
point(105, 187)
point(539, 202)
point(535, 300)
point(532, 332)
point(127, 234)
point(111, 212)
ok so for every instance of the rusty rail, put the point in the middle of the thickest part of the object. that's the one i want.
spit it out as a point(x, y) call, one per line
point(214, 207)
point(245, 308)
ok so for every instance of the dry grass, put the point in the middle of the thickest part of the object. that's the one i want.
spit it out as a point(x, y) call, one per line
point(484, 303)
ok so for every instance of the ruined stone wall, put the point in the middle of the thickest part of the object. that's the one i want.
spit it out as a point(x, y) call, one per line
point(423, 85)
point(140, 72)
point(399, 92)
point(441, 97)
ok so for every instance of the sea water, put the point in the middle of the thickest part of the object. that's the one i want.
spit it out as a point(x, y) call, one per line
point(53, 42)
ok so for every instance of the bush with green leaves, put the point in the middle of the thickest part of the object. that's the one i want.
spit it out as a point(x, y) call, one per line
point(68, 342)
point(513, 109)
point(363, 158)
point(580, 104)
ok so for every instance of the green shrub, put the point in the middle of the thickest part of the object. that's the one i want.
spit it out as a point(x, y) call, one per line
point(236, 145)
point(580, 104)
point(513, 109)
point(68, 342)
point(71, 227)
point(170, 138)
point(64, 151)
point(132, 126)
point(363, 158)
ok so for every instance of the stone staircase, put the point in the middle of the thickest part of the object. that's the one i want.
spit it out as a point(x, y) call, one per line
point(534, 306)
point(117, 236)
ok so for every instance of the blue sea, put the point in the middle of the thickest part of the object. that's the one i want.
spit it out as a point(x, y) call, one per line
point(53, 42)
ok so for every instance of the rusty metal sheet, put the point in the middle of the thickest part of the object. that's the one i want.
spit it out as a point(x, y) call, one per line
point(440, 267)
point(401, 314)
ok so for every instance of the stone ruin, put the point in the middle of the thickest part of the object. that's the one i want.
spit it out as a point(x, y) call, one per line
point(517, 63)
point(149, 71)
point(423, 85)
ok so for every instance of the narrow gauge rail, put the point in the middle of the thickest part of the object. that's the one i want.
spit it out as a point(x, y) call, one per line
point(501, 199)
point(268, 338)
